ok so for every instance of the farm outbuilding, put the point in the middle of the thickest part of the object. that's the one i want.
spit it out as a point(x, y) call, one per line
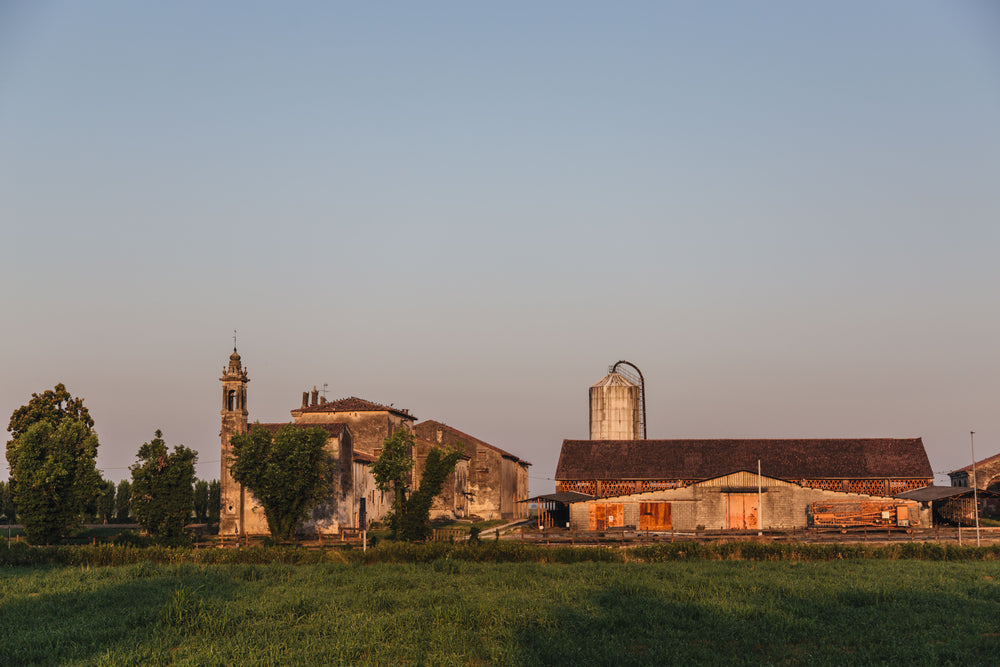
point(869, 466)
point(955, 504)
point(742, 500)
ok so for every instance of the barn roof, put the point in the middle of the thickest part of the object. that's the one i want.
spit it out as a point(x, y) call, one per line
point(790, 459)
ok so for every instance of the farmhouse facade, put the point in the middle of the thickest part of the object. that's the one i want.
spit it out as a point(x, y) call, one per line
point(487, 481)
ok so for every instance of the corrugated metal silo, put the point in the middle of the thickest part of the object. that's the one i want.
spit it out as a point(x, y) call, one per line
point(615, 409)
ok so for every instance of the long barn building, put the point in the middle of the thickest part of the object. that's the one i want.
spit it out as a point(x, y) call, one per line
point(873, 466)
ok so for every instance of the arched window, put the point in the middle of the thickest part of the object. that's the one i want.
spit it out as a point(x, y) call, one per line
point(231, 399)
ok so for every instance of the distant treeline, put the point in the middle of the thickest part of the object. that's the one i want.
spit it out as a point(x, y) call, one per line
point(113, 504)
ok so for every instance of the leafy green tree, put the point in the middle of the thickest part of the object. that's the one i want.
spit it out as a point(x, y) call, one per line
point(123, 501)
point(201, 501)
point(162, 488)
point(288, 473)
point(392, 474)
point(7, 507)
point(106, 501)
point(214, 501)
point(51, 406)
point(53, 469)
point(409, 518)
point(416, 519)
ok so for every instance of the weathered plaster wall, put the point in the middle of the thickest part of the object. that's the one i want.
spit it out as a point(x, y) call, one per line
point(704, 505)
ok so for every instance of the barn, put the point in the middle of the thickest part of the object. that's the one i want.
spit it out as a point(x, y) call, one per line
point(871, 466)
point(714, 484)
point(742, 500)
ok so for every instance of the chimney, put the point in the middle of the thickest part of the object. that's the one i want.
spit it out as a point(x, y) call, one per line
point(305, 399)
point(315, 395)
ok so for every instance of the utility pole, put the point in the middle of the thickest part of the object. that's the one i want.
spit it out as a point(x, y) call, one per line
point(975, 486)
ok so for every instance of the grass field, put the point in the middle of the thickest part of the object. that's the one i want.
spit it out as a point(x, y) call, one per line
point(462, 613)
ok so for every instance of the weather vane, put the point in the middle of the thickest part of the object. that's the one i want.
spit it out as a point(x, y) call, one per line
point(234, 340)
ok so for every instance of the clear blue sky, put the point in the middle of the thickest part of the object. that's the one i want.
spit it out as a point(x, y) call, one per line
point(785, 213)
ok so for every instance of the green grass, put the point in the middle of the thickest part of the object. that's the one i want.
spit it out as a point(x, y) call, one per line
point(457, 612)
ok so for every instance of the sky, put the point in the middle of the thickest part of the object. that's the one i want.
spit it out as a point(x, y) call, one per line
point(784, 213)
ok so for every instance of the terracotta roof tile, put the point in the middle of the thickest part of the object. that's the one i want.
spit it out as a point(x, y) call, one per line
point(427, 430)
point(865, 458)
point(355, 404)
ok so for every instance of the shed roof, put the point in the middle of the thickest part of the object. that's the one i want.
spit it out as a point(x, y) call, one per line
point(942, 492)
point(564, 497)
point(791, 459)
point(361, 457)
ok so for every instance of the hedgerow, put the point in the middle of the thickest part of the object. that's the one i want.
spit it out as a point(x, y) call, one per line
point(21, 554)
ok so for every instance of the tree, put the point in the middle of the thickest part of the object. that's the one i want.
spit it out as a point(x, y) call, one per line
point(162, 493)
point(53, 470)
point(288, 473)
point(392, 471)
point(106, 501)
point(123, 501)
point(214, 501)
point(409, 518)
point(7, 507)
point(52, 407)
point(201, 501)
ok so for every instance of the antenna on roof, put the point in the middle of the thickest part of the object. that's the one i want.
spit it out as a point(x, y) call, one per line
point(325, 385)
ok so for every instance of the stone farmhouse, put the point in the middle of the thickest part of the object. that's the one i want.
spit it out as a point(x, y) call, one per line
point(487, 483)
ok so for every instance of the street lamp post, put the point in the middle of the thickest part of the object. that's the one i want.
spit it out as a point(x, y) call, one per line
point(975, 485)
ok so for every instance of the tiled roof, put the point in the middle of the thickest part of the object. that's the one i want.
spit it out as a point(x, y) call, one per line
point(364, 458)
point(427, 430)
point(354, 404)
point(979, 464)
point(334, 428)
point(864, 458)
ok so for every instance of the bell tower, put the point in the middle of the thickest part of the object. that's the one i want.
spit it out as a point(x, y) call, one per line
point(234, 422)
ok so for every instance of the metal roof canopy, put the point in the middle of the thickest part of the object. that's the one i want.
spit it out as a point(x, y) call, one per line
point(942, 493)
point(565, 497)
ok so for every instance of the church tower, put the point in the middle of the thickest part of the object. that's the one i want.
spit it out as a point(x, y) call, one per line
point(234, 422)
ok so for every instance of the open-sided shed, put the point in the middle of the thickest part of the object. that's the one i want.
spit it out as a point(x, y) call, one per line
point(741, 500)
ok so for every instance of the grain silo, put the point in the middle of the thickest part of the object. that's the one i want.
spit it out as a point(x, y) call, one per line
point(617, 406)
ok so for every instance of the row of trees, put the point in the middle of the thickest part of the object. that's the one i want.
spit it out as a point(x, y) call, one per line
point(113, 503)
point(55, 485)
point(54, 481)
